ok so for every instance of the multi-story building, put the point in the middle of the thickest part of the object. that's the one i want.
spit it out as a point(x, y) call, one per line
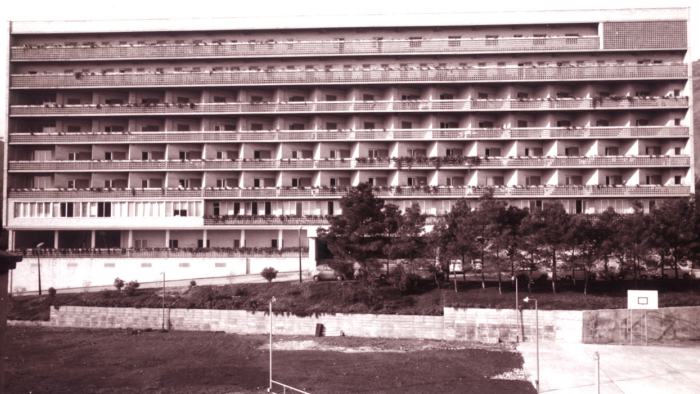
point(126, 139)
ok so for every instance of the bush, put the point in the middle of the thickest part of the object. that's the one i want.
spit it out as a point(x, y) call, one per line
point(131, 287)
point(269, 274)
point(193, 283)
point(52, 292)
point(402, 280)
point(119, 283)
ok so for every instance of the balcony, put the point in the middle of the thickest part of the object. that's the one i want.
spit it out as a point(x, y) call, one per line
point(335, 193)
point(247, 220)
point(155, 253)
point(446, 162)
point(354, 135)
point(305, 48)
point(352, 106)
point(360, 76)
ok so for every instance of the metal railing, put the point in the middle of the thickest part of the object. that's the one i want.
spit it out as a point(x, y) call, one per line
point(305, 48)
point(334, 193)
point(349, 106)
point(354, 135)
point(148, 253)
point(380, 163)
point(264, 221)
point(389, 75)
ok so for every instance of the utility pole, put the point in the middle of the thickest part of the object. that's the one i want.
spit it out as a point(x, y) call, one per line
point(38, 263)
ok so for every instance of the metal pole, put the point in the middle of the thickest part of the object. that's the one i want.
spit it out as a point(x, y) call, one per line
point(163, 301)
point(299, 234)
point(517, 314)
point(596, 356)
point(38, 263)
point(270, 345)
point(537, 338)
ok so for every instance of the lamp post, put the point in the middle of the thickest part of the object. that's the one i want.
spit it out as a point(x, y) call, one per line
point(517, 319)
point(38, 263)
point(537, 342)
point(299, 234)
point(271, 301)
point(596, 357)
point(163, 273)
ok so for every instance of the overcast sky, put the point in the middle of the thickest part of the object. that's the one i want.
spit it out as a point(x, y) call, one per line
point(46, 10)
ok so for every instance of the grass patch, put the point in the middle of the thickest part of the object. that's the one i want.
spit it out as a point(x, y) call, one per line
point(312, 298)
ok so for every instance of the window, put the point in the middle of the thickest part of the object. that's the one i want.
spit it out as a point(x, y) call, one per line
point(454, 181)
point(219, 99)
point(369, 125)
point(415, 42)
point(677, 151)
point(653, 179)
point(533, 181)
point(104, 209)
point(367, 97)
point(150, 128)
point(485, 125)
point(495, 181)
point(642, 93)
point(256, 126)
point(522, 123)
point(172, 243)
point(183, 100)
point(535, 205)
point(534, 152)
point(642, 122)
point(539, 39)
point(183, 127)
point(602, 123)
point(571, 38)
point(454, 41)
point(677, 180)
point(574, 180)
point(273, 243)
point(331, 97)
point(491, 41)
point(523, 95)
point(72, 129)
point(613, 180)
point(563, 123)
point(331, 125)
point(653, 150)
point(482, 96)
point(493, 152)
point(140, 243)
point(677, 122)
point(449, 125)
point(612, 151)
point(200, 243)
point(571, 151)
point(453, 152)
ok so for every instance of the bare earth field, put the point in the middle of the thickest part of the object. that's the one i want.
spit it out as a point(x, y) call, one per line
point(48, 360)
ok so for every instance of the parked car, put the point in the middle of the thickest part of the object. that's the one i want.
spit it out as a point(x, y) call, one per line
point(566, 274)
point(538, 274)
point(670, 273)
point(325, 272)
point(629, 274)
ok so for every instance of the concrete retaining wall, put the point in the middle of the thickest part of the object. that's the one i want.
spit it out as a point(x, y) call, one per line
point(642, 326)
point(484, 325)
point(65, 273)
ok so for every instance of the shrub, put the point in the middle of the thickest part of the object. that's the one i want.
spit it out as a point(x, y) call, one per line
point(193, 283)
point(131, 287)
point(52, 292)
point(269, 274)
point(119, 283)
point(402, 280)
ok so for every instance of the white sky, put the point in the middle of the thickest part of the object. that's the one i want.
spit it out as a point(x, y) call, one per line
point(40, 10)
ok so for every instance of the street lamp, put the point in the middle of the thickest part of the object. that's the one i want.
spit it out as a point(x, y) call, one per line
point(271, 301)
point(299, 234)
point(537, 341)
point(517, 326)
point(163, 273)
point(596, 357)
point(38, 263)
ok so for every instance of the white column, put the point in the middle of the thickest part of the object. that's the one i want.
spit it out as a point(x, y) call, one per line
point(167, 238)
point(55, 239)
point(130, 240)
point(11, 240)
point(204, 238)
point(280, 239)
point(92, 239)
point(312, 253)
point(242, 238)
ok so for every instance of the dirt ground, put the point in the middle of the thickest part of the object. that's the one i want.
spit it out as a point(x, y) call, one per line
point(47, 360)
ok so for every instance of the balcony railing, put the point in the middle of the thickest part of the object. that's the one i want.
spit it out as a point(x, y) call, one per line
point(325, 135)
point(349, 106)
point(389, 75)
point(306, 48)
point(128, 253)
point(334, 193)
point(240, 220)
point(379, 163)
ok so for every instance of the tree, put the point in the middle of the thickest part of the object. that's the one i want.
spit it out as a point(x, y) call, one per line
point(455, 236)
point(548, 228)
point(632, 238)
point(672, 232)
point(488, 229)
point(406, 241)
point(584, 244)
point(606, 227)
point(511, 235)
point(359, 234)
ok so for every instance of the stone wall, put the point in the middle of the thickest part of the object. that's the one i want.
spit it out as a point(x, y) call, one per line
point(641, 326)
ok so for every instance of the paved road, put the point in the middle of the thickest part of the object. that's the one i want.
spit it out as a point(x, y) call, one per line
point(570, 368)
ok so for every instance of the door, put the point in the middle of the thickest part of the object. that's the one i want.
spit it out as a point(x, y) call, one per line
point(268, 208)
point(330, 207)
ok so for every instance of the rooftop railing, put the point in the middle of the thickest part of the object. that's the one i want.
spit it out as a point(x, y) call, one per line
point(363, 163)
point(326, 77)
point(337, 192)
point(354, 135)
point(350, 106)
point(130, 253)
point(305, 48)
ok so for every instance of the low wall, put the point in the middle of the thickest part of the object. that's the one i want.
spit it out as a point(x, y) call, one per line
point(641, 326)
point(483, 325)
point(491, 325)
point(64, 273)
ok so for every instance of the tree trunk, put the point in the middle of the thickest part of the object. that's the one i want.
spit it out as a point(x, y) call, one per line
point(554, 272)
point(585, 283)
point(483, 279)
point(605, 269)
